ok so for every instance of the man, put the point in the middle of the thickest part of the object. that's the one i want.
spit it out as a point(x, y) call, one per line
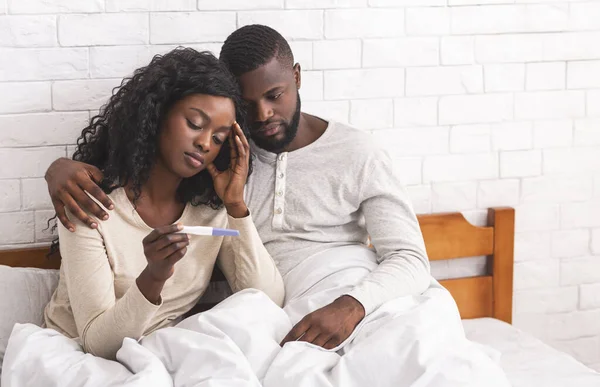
point(316, 186)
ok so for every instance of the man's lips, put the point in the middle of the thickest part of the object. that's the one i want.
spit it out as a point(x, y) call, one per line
point(270, 129)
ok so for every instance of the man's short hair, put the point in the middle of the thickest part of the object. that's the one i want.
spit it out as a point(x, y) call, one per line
point(252, 46)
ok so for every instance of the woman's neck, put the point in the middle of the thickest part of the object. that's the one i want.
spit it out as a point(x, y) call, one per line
point(158, 204)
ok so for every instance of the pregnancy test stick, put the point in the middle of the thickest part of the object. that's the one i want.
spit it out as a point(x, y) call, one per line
point(201, 230)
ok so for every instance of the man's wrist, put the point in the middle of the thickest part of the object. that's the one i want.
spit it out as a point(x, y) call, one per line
point(352, 304)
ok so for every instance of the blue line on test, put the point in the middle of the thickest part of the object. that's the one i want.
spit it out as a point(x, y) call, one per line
point(225, 232)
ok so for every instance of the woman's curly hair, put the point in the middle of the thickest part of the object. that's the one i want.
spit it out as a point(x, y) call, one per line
point(122, 141)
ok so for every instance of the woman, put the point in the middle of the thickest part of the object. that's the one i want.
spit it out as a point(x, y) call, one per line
point(172, 154)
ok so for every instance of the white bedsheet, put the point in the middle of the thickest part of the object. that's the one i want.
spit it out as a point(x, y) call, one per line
point(526, 360)
point(412, 341)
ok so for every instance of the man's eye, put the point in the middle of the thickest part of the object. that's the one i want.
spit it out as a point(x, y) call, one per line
point(276, 96)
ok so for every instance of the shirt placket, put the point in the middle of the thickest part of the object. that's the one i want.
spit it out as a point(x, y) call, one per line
point(279, 194)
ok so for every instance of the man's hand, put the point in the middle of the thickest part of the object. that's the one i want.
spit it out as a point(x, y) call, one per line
point(67, 180)
point(329, 326)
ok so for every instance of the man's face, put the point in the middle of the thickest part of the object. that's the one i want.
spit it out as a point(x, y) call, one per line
point(271, 92)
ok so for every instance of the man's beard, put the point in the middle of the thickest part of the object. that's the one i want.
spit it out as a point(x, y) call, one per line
point(289, 133)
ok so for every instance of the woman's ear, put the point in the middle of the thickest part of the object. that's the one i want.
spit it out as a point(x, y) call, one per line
point(297, 76)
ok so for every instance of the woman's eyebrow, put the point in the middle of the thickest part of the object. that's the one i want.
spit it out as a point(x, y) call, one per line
point(202, 113)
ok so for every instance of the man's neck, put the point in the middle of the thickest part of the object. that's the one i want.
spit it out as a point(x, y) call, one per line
point(310, 128)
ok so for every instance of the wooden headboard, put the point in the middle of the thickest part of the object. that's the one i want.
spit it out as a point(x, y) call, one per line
point(447, 236)
point(451, 236)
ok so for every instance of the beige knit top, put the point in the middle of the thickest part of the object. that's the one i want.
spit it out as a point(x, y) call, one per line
point(97, 299)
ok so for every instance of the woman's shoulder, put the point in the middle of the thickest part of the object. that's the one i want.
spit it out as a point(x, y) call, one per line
point(114, 196)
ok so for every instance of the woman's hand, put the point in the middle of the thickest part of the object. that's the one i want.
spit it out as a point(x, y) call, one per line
point(163, 248)
point(229, 184)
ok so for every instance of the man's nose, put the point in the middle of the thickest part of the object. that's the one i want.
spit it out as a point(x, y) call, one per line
point(264, 111)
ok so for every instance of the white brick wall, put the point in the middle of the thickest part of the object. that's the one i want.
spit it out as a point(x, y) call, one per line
point(401, 52)
point(25, 97)
point(150, 5)
point(54, 6)
point(532, 246)
point(537, 274)
point(546, 76)
point(28, 31)
point(504, 77)
point(82, 94)
point(472, 109)
point(190, 27)
point(481, 103)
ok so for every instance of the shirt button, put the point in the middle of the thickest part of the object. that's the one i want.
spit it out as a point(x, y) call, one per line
point(281, 175)
point(278, 211)
point(279, 193)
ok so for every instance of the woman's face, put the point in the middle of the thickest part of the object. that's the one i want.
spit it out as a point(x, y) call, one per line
point(194, 131)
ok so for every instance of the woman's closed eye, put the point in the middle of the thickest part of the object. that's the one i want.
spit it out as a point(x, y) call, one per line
point(218, 140)
point(192, 125)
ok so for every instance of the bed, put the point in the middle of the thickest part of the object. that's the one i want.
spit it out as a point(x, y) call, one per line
point(484, 302)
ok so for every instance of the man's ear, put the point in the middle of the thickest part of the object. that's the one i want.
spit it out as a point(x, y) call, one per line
point(297, 76)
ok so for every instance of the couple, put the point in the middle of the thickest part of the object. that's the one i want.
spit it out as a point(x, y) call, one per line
point(170, 149)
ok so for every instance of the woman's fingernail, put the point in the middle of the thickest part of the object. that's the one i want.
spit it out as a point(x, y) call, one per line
point(71, 229)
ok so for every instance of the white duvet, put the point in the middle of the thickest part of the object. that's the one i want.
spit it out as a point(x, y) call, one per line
point(411, 341)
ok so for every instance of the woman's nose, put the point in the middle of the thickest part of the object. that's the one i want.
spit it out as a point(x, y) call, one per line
point(202, 141)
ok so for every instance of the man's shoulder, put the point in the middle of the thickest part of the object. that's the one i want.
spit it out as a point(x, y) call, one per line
point(350, 132)
point(358, 143)
point(352, 138)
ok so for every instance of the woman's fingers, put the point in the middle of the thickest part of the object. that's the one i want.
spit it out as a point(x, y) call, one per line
point(232, 150)
point(240, 147)
point(243, 148)
point(242, 137)
point(176, 256)
point(172, 248)
point(167, 240)
point(158, 232)
point(212, 169)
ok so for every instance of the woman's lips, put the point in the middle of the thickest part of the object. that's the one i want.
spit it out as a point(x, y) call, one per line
point(195, 159)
